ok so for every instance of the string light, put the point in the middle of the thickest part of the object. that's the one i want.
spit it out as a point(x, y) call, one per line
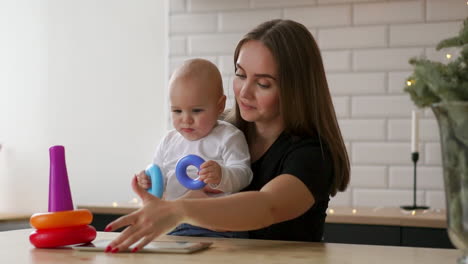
point(448, 56)
point(354, 211)
point(408, 83)
point(413, 212)
point(134, 200)
point(115, 204)
point(332, 211)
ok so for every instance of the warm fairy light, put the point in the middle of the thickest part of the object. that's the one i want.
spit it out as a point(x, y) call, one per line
point(115, 204)
point(409, 83)
point(354, 211)
point(332, 211)
point(413, 212)
point(448, 56)
point(134, 200)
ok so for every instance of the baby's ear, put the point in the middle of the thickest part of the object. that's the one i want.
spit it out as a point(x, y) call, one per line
point(221, 104)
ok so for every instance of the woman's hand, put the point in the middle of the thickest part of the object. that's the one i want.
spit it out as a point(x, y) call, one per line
point(156, 217)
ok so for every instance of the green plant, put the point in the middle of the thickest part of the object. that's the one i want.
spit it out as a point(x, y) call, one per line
point(434, 82)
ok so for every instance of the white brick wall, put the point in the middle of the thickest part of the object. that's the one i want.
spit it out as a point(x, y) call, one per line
point(365, 47)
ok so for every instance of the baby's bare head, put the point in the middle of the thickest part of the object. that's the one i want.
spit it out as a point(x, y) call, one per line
point(198, 76)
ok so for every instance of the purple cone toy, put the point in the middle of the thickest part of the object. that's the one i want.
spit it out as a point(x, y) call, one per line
point(59, 188)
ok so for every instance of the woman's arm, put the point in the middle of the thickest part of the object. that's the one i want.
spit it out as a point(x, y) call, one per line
point(283, 198)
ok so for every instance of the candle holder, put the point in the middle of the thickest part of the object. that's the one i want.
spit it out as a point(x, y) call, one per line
point(414, 158)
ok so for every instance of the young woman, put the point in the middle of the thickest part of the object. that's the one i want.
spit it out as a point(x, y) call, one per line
point(284, 107)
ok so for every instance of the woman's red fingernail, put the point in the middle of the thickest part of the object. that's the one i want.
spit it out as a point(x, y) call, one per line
point(107, 229)
point(108, 249)
point(135, 249)
point(115, 250)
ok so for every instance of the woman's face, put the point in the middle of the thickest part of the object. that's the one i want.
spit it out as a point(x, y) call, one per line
point(256, 84)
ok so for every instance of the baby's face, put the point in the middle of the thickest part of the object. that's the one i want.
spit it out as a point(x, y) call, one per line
point(195, 108)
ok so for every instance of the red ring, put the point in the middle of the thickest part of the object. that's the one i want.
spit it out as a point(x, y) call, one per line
point(58, 237)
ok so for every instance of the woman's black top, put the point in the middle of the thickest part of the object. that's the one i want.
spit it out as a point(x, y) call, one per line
point(309, 161)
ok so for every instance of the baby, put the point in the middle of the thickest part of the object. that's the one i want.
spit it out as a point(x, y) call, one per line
point(197, 100)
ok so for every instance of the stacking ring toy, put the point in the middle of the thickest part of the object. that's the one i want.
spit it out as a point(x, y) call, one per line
point(50, 238)
point(61, 219)
point(181, 172)
point(157, 183)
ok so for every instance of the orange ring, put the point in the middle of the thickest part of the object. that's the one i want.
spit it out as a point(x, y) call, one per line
point(61, 219)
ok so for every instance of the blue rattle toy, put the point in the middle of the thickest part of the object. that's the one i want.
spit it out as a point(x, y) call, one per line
point(181, 172)
point(157, 182)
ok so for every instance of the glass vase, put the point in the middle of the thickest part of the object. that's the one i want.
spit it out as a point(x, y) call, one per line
point(453, 127)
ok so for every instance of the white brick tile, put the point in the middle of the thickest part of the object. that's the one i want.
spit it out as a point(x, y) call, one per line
point(348, 149)
point(441, 55)
point(230, 102)
point(341, 199)
point(362, 129)
point(336, 60)
point(213, 5)
point(320, 16)
point(177, 46)
point(383, 197)
point(368, 177)
point(226, 64)
point(193, 23)
point(175, 62)
point(352, 37)
point(246, 20)
point(227, 86)
point(433, 153)
point(397, 81)
point(176, 6)
point(281, 3)
point(435, 199)
point(422, 34)
point(393, 12)
point(385, 59)
point(341, 104)
point(429, 130)
point(426, 178)
point(400, 129)
point(213, 44)
point(437, 10)
point(380, 153)
point(381, 106)
point(356, 83)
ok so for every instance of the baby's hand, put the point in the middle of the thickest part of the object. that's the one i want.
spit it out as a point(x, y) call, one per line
point(143, 180)
point(210, 172)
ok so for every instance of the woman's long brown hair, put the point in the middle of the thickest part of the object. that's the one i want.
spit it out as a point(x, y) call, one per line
point(305, 100)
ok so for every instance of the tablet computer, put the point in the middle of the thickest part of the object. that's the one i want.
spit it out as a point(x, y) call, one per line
point(152, 247)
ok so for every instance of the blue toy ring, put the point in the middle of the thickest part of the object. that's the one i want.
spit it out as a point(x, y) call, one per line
point(157, 182)
point(181, 172)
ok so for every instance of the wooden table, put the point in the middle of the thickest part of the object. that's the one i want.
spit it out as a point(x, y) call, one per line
point(15, 248)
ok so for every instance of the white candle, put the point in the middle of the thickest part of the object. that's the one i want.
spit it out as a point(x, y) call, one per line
point(415, 131)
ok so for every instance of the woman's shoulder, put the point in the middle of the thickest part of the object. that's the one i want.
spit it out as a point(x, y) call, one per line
point(292, 142)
